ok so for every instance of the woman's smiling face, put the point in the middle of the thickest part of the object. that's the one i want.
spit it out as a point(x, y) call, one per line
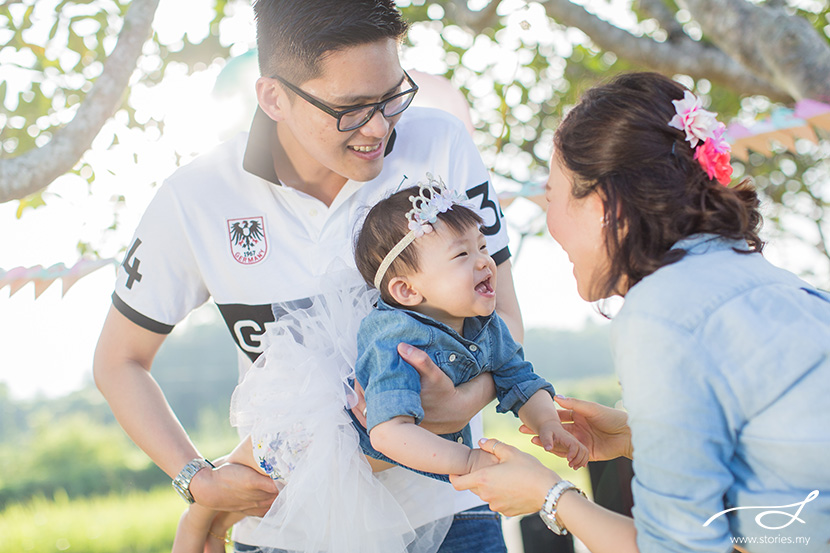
point(578, 226)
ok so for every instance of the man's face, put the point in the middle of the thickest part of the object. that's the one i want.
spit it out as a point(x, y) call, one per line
point(357, 75)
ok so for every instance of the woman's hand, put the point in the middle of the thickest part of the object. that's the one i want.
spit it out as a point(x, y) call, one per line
point(447, 408)
point(516, 486)
point(603, 430)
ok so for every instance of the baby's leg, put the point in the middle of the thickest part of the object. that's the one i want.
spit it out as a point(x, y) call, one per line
point(243, 454)
point(192, 532)
point(200, 529)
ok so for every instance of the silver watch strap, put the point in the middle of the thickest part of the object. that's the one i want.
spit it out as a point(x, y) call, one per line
point(181, 483)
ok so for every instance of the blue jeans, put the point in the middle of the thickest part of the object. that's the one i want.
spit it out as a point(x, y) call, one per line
point(476, 530)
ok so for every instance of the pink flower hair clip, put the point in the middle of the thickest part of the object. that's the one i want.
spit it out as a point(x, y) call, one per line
point(705, 134)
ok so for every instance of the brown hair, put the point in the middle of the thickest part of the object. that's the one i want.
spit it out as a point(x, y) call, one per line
point(386, 224)
point(617, 142)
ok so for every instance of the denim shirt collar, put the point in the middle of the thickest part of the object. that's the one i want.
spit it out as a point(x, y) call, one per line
point(701, 243)
point(472, 325)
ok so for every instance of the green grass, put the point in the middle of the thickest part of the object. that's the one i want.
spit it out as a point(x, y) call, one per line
point(138, 522)
point(145, 522)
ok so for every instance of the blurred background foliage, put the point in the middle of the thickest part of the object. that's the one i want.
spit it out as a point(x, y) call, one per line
point(70, 479)
point(519, 67)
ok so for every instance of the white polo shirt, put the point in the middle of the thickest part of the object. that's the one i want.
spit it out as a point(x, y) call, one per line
point(224, 227)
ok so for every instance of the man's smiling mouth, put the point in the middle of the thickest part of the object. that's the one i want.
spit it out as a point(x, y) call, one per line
point(365, 149)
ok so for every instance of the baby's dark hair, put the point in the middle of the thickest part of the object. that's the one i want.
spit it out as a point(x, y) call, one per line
point(617, 142)
point(386, 224)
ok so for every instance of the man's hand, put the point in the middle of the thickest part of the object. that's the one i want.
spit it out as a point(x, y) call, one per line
point(233, 487)
point(447, 408)
point(359, 410)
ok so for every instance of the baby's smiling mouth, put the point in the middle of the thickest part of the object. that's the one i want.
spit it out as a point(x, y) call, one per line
point(485, 288)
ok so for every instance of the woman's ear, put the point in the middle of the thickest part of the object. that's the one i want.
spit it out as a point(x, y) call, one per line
point(271, 98)
point(403, 293)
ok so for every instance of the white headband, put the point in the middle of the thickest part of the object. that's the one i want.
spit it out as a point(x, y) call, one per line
point(422, 216)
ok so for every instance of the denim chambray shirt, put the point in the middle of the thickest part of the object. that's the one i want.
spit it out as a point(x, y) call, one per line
point(724, 362)
point(392, 387)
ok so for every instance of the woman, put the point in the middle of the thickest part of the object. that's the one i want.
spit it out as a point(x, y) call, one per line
point(724, 359)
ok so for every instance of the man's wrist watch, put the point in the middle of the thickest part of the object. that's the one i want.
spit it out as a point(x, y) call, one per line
point(548, 512)
point(181, 483)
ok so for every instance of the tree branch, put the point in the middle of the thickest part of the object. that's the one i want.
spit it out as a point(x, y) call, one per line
point(783, 49)
point(679, 56)
point(37, 168)
point(664, 16)
point(475, 21)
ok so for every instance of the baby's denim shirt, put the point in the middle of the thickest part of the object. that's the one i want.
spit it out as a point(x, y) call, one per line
point(724, 362)
point(392, 387)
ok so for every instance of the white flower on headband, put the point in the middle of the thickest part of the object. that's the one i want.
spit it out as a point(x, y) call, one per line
point(426, 207)
point(698, 123)
point(419, 228)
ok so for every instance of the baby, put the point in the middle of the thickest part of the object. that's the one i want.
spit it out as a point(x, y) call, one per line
point(423, 249)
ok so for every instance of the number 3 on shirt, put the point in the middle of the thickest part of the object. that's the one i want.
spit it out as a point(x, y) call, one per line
point(486, 203)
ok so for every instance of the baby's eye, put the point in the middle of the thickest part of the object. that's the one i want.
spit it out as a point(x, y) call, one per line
point(460, 254)
point(482, 248)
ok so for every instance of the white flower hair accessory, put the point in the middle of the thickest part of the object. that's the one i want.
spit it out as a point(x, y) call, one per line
point(433, 198)
point(705, 134)
point(698, 123)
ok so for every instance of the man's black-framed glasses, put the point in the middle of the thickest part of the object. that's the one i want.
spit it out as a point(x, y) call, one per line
point(354, 118)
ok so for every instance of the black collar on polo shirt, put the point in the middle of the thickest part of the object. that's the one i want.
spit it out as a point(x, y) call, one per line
point(258, 159)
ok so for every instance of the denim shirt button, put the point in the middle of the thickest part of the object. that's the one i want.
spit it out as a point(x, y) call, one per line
point(460, 440)
point(473, 347)
point(453, 357)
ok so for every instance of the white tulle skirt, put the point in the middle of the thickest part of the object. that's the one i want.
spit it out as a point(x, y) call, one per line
point(292, 404)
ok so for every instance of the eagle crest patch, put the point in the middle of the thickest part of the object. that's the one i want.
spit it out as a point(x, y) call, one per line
point(247, 236)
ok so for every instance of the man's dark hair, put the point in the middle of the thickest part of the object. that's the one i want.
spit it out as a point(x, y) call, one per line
point(383, 228)
point(294, 35)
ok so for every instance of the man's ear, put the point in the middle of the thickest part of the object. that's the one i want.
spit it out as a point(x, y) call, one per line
point(271, 98)
point(403, 293)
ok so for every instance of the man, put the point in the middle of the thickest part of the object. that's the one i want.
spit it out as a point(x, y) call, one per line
point(252, 222)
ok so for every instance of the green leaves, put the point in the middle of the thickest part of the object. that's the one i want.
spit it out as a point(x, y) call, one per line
point(32, 201)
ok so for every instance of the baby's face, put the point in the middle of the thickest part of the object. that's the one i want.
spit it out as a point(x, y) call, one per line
point(457, 276)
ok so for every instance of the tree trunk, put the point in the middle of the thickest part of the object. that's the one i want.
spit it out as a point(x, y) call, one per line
point(784, 50)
